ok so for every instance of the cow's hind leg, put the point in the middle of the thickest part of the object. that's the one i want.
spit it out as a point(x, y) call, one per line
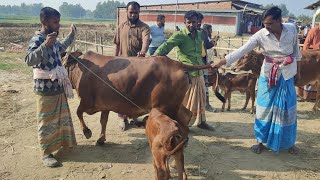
point(103, 122)
point(86, 131)
point(229, 100)
point(253, 98)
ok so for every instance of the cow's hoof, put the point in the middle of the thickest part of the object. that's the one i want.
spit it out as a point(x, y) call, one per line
point(87, 133)
point(100, 142)
point(228, 109)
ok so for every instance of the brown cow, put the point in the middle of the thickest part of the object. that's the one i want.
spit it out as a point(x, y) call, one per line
point(167, 137)
point(245, 83)
point(145, 84)
point(310, 65)
point(249, 62)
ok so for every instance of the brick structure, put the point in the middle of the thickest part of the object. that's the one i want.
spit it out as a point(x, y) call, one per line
point(229, 16)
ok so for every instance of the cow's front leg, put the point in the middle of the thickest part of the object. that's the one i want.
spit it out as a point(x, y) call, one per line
point(103, 122)
point(86, 131)
point(160, 161)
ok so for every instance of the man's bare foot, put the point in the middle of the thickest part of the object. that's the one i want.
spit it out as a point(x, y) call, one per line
point(257, 148)
point(293, 150)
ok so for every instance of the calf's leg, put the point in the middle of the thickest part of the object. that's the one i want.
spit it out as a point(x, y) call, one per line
point(247, 100)
point(179, 159)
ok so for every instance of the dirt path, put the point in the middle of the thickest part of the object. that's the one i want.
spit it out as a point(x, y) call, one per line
point(222, 154)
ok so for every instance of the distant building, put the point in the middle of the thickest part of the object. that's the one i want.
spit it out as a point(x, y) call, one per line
point(231, 16)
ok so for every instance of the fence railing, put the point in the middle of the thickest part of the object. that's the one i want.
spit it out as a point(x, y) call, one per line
point(227, 43)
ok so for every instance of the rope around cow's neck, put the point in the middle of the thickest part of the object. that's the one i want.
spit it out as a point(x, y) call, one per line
point(113, 88)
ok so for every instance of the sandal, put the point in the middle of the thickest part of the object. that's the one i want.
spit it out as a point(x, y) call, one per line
point(293, 150)
point(50, 161)
point(257, 148)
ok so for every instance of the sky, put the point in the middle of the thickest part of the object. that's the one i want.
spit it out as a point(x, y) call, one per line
point(294, 6)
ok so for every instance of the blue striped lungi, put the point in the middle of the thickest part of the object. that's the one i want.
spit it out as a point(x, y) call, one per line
point(276, 114)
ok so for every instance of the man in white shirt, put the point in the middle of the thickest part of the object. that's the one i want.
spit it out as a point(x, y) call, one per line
point(276, 111)
point(157, 35)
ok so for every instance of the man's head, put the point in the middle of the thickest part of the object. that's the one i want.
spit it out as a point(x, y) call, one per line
point(50, 19)
point(133, 10)
point(200, 18)
point(191, 20)
point(208, 29)
point(272, 19)
point(161, 20)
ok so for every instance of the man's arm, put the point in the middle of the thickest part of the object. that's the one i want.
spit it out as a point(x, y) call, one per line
point(145, 41)
point(38, 49)
point(167, 46)
point(116, 41)
point(64, 44)
point(237, 54)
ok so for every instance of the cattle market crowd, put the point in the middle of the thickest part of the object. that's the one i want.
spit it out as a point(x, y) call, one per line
point(141, 80)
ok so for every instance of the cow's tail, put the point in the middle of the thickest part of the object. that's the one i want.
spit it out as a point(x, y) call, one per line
point(216, 92)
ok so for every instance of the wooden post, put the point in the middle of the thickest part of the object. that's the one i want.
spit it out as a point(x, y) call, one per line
point(228, 44)
point(241, 40)
point(101, 42)
point(96, 40)
point(86, 45)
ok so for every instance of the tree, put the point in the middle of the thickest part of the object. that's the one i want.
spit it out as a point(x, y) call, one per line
point(107, 10)
point(305, 19)
point(23, 9)
point(73, 11)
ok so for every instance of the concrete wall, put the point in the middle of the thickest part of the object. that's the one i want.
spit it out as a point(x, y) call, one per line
point(223, 22)
point(220, 22)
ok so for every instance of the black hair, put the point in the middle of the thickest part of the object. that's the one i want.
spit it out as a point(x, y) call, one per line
point(160, 17)
point(274, 11)
point(200, 16)
point(189, 14)
point(48, 12)
point(206, 26)
point(133, 4)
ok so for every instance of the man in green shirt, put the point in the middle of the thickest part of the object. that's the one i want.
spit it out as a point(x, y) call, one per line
point(189, 43)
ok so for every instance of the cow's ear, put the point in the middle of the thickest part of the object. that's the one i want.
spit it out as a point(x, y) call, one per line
point(184, 115)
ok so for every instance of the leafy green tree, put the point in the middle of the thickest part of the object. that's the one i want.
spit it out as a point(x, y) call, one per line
point(305, 19)
point(107, 10)
point(73, 11)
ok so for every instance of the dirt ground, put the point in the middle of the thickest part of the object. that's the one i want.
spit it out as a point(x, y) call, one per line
point(222, 154)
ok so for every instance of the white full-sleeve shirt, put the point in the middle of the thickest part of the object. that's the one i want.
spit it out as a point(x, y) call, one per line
point(274, 48)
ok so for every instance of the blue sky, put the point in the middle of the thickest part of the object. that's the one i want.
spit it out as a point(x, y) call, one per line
point(294, 6)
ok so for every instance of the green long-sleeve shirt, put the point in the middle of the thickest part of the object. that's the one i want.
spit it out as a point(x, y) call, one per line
point(189, 49)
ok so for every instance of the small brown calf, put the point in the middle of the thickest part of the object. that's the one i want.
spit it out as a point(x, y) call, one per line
point(168, 137)
point(245, 83)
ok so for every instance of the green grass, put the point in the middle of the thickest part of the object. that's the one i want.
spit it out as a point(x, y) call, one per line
point(35, 20)
point(7, 66)
point(13, 62)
